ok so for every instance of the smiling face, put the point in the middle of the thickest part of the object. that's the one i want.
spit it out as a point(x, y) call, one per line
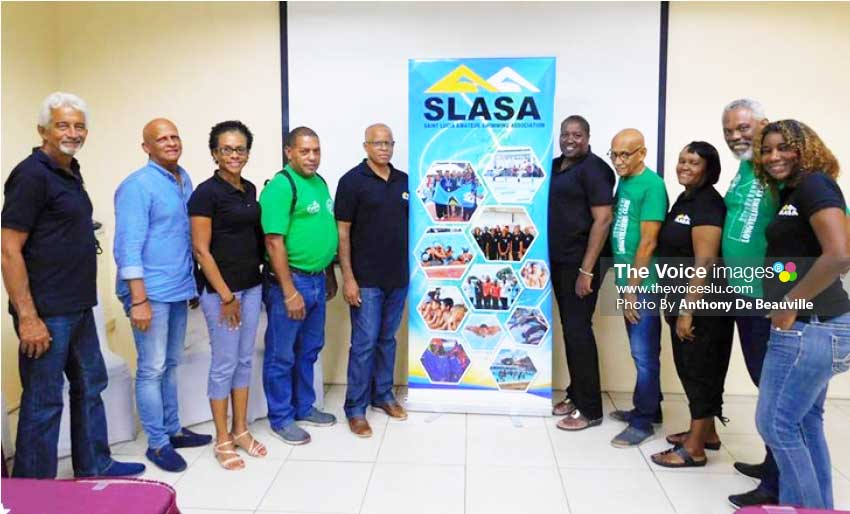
point(162, 143)
point(739, 129)
point(690, 170)
point(235, 144)
point(574, 141)
point(778, 158)
point(65, 133)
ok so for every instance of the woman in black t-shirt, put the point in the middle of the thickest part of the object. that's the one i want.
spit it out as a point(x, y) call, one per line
point(228, 245)
point(702, 337)
point(807, 246)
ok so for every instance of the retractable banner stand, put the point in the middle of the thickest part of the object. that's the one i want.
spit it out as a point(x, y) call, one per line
point(480, 293)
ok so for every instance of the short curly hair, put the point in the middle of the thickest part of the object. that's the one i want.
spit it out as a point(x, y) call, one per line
point(230, 126)
point(813, 154)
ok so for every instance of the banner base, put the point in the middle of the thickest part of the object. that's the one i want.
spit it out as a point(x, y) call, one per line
point(475, 402)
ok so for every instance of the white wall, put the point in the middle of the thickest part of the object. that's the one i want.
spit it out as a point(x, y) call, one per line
point(200, 63)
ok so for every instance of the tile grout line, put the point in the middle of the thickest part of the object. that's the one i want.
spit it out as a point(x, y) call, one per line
point(372, 471)
point(652, 469)
point(273, 480)
point(558, 467)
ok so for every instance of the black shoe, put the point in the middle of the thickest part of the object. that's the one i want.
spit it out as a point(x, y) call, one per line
point(752, 499)
point(625, 416)
point(750, 470)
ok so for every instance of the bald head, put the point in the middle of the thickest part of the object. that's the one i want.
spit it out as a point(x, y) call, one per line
point(378, 143)
point(628, 151)
point(161, 141)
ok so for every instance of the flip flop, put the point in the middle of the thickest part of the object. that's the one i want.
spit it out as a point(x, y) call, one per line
point(255, 449)
point(687, 460)
point(683, 435)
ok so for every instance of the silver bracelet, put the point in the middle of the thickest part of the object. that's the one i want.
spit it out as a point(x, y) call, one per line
point(585, 273)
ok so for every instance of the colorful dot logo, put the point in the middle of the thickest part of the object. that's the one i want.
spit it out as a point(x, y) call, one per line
point(787, 272)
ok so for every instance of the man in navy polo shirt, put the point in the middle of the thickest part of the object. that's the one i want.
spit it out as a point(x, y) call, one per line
point(49, 269)
point(371, 212)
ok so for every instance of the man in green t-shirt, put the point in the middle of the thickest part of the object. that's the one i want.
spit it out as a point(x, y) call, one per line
point(301, 240)
point(638, 214)
point(750, 207)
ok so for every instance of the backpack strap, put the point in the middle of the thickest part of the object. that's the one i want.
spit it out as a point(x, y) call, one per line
point(285, 173)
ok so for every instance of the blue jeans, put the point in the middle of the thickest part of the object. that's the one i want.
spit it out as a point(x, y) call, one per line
point(75, 351)
point(371, 358)
point(292, 347)
point(754, 332)
point(159, 349)
point(789, 416)
point(232, 350)
point(645, 344)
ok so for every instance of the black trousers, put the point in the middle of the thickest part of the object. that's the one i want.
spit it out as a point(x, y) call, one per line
point(702, 363)
point(579, 341)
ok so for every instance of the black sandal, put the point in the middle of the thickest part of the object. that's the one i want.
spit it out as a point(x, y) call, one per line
point(708, 446)
point(687, 460)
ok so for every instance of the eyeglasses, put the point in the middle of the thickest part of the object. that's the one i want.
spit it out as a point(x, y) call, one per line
point(228, 151)
point(623, 155)
point(381, 144)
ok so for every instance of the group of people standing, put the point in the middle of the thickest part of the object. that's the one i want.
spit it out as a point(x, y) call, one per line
point(218, 244)
point(235, 250)
point(502, 243)
point(782, 205)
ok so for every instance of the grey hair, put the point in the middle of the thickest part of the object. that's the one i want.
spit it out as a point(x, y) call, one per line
point(60, 99)
point(746, 103)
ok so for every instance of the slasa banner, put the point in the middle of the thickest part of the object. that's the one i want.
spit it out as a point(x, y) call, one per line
point(480, 296)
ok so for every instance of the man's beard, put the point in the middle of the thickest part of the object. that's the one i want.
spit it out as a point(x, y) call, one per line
point(70, 150)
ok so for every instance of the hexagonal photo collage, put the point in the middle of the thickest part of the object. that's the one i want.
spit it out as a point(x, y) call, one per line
point(503, 233)
point(451, 191)
point(445, 360)
point(444, 253)
point(514, 174)
point(443, 308)
point(513, 370)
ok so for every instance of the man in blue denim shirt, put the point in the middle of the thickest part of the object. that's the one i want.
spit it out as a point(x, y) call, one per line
point(371, 213)
point(154, 260)
point(50, 269)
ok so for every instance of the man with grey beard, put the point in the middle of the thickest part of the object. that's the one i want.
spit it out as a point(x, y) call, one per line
point(750, 206)
point(50, 272)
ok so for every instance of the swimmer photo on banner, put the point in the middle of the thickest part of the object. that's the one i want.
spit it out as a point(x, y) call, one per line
point(481, 300)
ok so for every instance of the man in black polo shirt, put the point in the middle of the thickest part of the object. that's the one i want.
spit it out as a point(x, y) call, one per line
point(580, 214)
point(371, 212)
point(49, 270)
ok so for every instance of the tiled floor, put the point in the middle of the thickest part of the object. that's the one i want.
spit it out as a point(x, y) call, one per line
point(472, 464)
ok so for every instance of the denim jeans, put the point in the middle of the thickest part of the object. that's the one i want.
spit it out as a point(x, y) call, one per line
point(292, 347)
point(75, 351)
point(371, 358)
point(789, 416)
point(645, 344)
point(754, 332)
point(232, 350)
point(159, 350)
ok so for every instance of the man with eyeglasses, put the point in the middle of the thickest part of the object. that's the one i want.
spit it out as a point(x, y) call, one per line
point(640, 211)
point(371, 212)
point(580, 214)
point(153, 254)
point(750, 207)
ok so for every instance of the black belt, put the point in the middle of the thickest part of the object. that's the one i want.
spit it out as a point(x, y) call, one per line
point(267, 270)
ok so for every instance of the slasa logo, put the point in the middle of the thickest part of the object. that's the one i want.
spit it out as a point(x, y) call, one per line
point(463, 80)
